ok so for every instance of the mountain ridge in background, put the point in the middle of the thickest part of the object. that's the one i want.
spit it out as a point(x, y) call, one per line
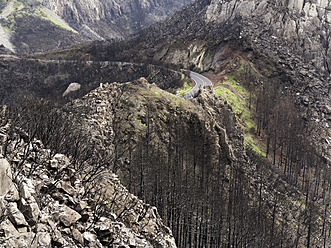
point(38, 26)
point(245, 163)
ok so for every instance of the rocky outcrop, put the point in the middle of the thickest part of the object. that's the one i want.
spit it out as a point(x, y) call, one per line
point(302, 26)
point(44, 203)
point(7, 188)
point(190, 143)
point(295, 34)
point(72, 88)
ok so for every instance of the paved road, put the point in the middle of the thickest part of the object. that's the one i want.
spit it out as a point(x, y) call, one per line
point(200, 81)
point(92, 62)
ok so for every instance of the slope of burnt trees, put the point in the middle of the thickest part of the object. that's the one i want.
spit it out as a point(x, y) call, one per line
point(50, 79)
point(209, 200)
point(288, 137)
point(206, 198)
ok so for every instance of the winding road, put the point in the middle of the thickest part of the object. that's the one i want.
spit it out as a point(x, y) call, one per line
point(200, 81)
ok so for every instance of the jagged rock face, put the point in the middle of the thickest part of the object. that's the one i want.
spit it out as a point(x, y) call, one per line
point(296, 34)
point(93, 11)
point(304, 26)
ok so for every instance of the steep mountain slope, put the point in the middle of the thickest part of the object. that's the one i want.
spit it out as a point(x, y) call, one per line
point(189, 157)
point(284, 46)
point(291, 37)
point(37, 26)
point(185, 157)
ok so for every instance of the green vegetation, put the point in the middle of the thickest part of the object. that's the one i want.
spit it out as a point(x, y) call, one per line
point(239, 106)
point(3, 4)
point(20, 11)
point(16, 4)
point(252, 144)
point(230, 80)
point(186, 88)
point(238, 97)
point(9, 23)
point(20, 4)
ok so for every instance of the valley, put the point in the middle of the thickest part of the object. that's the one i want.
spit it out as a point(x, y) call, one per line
point(208, 129)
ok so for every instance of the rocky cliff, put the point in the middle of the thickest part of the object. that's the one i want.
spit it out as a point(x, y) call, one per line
point(303, 27)
point(296, 34)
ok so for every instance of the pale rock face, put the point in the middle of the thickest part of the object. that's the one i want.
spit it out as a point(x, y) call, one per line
point(304, 25)
point(35, 2)
point(69, 216)
point(7, 188)
point(16, 216)
point(130, 14)
point(9, 229)
point(71, 223)
point(43, 239)
point(5, 39)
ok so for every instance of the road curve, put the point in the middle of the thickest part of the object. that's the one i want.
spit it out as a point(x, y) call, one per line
point(200, 81)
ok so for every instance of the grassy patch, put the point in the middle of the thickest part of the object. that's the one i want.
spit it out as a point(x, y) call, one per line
point(238, 98)
point(239, 106)
point(252, 144)
point(19, 5)
point(20, 11)
point(9, 23)
point(3, 4)
point(241, 90)
point(48, 17)
point(186, 88)
point(149, 106)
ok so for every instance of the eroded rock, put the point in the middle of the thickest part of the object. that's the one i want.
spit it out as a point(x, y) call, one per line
point(15, 215)
point(68, 216)
point(7, 187)
point(46, 214)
